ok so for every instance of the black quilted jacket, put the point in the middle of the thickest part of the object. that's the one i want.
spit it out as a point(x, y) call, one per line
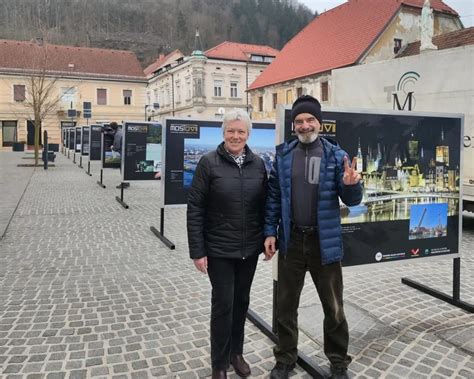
point(226, 206)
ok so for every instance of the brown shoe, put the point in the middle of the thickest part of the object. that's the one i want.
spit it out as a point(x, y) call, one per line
point(241, 367)
point(219, 374)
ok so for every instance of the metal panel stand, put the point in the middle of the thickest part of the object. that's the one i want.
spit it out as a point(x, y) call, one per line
point(80, 161)
point(99, 182)
point(88, 172)
point(120, 199)
point(45, 150)
point(453, 300)
point(74, 158)
point(303, 361)
point(161, 233)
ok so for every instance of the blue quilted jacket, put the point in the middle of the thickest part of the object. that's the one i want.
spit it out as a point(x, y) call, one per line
point(331, 187)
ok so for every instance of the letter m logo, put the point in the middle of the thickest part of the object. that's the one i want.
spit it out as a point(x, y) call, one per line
point(408, 100)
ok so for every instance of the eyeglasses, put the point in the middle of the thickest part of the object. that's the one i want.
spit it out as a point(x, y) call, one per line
point(309, 120)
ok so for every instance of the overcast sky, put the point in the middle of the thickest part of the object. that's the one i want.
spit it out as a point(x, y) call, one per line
point(465, 8)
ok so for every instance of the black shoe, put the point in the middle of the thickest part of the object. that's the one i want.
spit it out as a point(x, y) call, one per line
point(241, 367)
point(281, 370)
point(339, 373)
point(125, 185)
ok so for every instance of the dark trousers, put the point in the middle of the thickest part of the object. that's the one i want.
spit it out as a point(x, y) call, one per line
point(231, 280)
point(304, 255)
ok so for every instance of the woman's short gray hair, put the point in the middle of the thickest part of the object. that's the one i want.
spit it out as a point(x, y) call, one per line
point(236, 114)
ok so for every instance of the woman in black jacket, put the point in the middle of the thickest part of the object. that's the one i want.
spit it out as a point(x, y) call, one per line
point(225, 233)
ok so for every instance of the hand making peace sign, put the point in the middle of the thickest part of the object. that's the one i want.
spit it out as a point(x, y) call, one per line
point(351, 176)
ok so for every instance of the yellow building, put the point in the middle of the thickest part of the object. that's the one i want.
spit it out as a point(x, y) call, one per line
point(111, 81)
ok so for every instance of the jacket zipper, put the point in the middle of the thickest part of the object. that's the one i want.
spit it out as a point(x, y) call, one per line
point(242, 198)
point(306, 173)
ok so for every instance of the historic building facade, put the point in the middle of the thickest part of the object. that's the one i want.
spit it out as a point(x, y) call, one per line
point(63, 78)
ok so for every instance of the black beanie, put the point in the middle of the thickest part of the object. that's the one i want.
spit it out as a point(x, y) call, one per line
point(306, 104)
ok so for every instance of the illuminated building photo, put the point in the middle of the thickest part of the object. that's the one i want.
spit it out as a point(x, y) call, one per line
point(403, 166)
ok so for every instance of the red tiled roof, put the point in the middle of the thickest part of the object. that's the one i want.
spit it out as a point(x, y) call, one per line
point(239, 51)
point(19, 56)
point(336, 38)
point(450, 40)
point(161, 62)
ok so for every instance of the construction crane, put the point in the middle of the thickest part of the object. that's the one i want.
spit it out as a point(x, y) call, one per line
point(418, 229)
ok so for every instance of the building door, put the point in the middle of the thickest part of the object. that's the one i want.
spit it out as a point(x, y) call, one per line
point(9, 133)
point(30, 137)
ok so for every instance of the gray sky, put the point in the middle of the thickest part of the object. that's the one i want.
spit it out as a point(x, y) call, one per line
point(465, 8)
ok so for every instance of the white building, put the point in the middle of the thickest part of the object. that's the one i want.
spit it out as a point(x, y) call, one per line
point(354, 33)
point(206, 84)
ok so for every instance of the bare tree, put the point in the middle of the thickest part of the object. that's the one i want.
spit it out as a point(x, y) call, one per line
point(42, 93)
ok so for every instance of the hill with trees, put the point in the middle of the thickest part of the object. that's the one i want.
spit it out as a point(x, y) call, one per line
point(151, 27)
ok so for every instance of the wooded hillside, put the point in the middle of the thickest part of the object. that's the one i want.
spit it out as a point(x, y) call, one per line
point(150, 27)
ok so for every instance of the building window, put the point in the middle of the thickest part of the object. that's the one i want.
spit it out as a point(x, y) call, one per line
point(324, 91)
point(101, 96)
point(9, 134)
point(397, 45)
point(289, 96)
point(233, 89)
point(127, 96)
point(218, 88)
point(19, 92)
point(198, 87)
point(178, 91)
point(163, 99)
point(189, 91)
point(260, 103)
point(68, 95)
point(275, 100)
point(256, 58)
point(299, 92)
point(155, 96)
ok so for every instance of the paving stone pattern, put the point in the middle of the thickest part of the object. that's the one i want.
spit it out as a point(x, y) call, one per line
point(87, 291)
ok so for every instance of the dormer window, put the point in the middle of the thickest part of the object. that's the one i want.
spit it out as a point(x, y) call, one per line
point(397, 45)
point(256, 58)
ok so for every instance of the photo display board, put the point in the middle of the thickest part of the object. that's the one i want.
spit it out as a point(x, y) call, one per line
point(110, 157)
point(77, 138)
point(85, 140)
point(141, 144)
point(410, 165)
point(188, 140)
point(63, 136)
point(65, 125)
point(95, 138)
point(72, 138)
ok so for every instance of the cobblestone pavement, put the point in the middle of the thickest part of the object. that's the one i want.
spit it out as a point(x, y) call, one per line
point(86, 291)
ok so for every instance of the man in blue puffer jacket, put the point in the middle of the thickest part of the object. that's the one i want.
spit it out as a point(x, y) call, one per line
point(308, 177)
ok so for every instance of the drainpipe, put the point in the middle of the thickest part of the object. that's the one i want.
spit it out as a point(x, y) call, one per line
point(172, 94)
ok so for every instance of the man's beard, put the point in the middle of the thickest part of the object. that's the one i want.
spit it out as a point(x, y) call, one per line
point(308, 137)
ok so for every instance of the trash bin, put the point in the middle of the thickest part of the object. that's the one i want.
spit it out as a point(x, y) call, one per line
point(18, 146)
point(51, 156)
